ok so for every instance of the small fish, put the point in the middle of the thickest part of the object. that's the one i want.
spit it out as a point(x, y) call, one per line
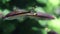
point(21, 14)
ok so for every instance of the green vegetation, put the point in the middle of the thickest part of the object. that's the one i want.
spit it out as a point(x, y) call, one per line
point(29, 26)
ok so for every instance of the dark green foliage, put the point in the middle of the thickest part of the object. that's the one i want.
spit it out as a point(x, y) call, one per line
point(18, 3)
point(22, 3)
point(26, 27)
point(41, 4)
point(15, 27)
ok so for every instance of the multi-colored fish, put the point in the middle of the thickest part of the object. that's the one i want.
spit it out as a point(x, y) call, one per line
point(18, 14)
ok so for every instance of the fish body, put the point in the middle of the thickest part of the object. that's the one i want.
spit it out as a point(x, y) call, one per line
point(15, 15)
point(24, 14)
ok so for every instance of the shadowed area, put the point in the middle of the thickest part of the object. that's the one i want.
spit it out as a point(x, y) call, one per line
point(24, 27)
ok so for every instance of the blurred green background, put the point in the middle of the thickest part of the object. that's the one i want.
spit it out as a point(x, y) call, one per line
point(28, 25)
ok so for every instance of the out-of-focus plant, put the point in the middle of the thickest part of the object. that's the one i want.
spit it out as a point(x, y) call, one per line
point(54, 24)
point(51, 5)
point(5, 12)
